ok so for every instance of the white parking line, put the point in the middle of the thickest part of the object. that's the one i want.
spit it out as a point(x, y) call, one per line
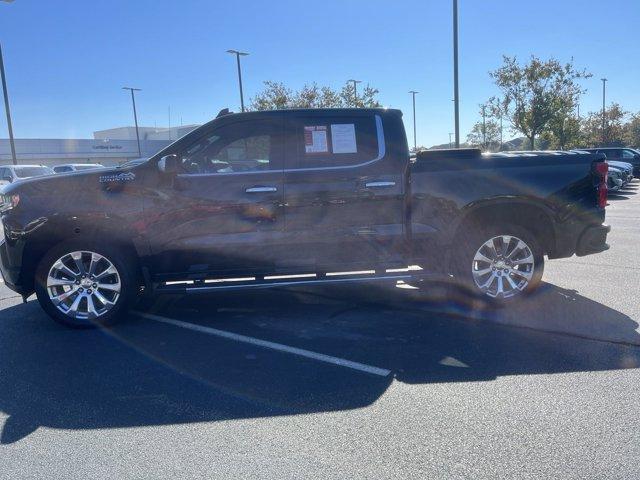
point(271, 345)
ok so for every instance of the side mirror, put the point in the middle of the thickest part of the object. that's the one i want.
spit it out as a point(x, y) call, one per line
point(169, 164)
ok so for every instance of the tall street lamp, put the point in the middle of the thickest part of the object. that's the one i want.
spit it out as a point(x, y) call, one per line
point(135, 115)
point(413, 95)
point(355, 90)
point(239, 54)
point(7, 110)
point(456, 96)
point(484, 126)
point(450, 143)
point(604, 96)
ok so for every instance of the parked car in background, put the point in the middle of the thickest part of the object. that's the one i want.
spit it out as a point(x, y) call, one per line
point(621, 154)
point(615, 179)
point(12, 173)
point(75, 167)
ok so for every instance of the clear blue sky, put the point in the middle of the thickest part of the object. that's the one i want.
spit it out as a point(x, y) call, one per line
point(67, 60)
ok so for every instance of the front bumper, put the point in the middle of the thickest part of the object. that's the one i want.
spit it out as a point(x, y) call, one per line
point(10, 273)
point(593, 240)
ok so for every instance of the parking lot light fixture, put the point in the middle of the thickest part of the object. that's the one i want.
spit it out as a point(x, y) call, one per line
point(355, 90)
point(413, 95)
point(7, 110)
point(456, 92)
point(135, 115)
point(604, 115)
point(239, 54)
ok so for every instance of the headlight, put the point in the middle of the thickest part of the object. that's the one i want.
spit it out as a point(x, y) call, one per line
point(7, 202)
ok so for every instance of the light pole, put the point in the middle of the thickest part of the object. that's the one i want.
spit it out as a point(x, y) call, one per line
point(456, 96)
point(484, 126)
point(135, 115)
point(450, 143)
point(413, 95)
point(604, 96)
point(7, 110)
point(355, 90)
point(239, 54)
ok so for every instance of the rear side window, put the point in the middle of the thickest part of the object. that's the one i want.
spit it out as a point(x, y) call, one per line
point(324, 141)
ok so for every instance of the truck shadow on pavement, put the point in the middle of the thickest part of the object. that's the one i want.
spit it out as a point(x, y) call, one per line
point(146, 373)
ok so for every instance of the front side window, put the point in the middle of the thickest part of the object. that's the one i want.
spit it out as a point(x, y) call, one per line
point(236, 148)
point(627, 154)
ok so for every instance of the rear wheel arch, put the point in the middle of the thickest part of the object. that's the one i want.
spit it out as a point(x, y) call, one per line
point(534, 218)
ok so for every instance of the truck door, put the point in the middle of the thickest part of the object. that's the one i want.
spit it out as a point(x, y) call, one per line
point(222, 214)
point(344, 191)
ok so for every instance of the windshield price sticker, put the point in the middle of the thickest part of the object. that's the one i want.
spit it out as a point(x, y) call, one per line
point(315, 139)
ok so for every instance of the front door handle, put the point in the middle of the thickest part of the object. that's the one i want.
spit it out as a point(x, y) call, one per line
point(261, 189)
point(380, 184)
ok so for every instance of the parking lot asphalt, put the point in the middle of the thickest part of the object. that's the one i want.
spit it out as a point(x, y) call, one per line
point(375, 381)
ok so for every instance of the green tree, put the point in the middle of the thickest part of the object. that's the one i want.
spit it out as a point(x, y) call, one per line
point(276, 96)
point(564, 132)
point(615, 127)
point(632, 131)
point(485, 133)
point(534, 93)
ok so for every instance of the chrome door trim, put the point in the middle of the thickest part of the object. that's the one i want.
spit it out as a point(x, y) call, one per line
point(261, 189)
point(381, 184)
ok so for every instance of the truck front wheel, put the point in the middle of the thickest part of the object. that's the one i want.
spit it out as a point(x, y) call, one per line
point(503, 262)
point(85, 285)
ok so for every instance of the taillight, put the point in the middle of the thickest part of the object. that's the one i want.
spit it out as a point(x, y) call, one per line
point(601, 169)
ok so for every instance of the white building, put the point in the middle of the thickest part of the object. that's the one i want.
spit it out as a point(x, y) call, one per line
point(146, 133)
point(108, 147)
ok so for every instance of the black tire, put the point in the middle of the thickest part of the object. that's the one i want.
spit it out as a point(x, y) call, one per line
point(125, 264)
point(472, 239)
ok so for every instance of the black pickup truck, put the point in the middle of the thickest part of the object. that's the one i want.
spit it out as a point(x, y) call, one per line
point(263, 199)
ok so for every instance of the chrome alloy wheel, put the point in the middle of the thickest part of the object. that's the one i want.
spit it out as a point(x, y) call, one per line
point(503, 266)
point(83, 285)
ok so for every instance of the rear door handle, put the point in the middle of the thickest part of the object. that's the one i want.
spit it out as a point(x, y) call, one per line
point(380, 184)
point(261, 189)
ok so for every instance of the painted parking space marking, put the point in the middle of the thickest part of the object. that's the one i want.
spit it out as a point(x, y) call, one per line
point(320, 357)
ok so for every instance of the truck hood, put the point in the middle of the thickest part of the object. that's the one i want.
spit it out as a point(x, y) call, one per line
point(68, 182)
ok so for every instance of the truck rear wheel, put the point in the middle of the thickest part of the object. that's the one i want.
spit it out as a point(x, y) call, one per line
point(85, 284)
point(503, 263)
